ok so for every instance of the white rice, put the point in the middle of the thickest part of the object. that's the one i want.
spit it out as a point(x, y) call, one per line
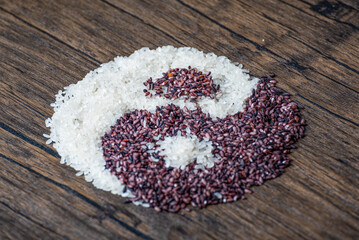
point(86, 110)
point(191, 149)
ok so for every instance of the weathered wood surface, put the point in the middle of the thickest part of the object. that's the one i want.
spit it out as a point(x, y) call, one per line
point(312, 46)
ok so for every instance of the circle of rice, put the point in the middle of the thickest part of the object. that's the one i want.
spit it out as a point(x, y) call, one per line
point(84, 111)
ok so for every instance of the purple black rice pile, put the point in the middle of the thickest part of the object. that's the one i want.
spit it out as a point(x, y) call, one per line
point(251, 146)
point(180, 81)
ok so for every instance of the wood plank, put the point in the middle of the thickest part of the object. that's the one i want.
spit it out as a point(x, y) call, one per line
point(292, 63)
point(15, 224)
point(343, 12)
point(93, 20)
point(311, 45)
point(72, 219)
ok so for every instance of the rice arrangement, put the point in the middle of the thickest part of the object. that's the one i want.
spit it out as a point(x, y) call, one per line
point(174, 127)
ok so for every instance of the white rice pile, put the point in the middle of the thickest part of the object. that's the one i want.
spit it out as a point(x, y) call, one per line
point(86, 110)
point(191, 149)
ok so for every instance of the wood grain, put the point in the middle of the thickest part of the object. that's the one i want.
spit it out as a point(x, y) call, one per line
point(312, 45)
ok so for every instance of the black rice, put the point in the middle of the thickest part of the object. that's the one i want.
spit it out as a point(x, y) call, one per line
point(251, 146)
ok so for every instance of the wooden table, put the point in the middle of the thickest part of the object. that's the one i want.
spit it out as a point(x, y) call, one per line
point(311, 45)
